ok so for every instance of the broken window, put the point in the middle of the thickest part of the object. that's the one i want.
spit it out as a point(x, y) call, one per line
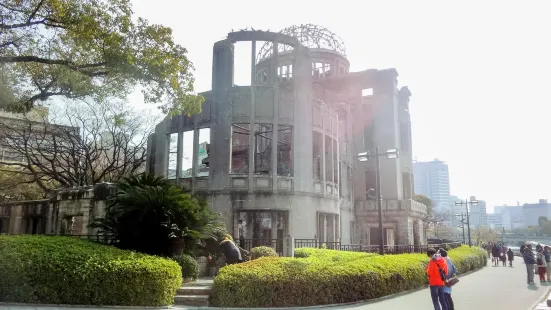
point(262, 78)
point(317, 144)
point(187, 154)
point(204, 152)
point(284, 143)
point(240, 148)
point(285, 72)
point(263, 148)
point(317, 70)
point(328, 159)
point(172, 156)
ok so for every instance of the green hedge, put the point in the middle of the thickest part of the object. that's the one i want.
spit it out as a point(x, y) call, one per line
point(325, 277)
point(262, 251)
point(330, 254)
point(66, 270)
point(190, 266)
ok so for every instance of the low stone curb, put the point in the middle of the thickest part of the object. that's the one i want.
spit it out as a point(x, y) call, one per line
point(54, 306)
point(363, 302)
point(542, 301)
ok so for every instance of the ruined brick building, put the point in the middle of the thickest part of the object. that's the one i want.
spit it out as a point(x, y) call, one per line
point(278, 157)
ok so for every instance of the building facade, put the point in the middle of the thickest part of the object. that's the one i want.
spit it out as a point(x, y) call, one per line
point(478, 213)
point(277, 158)
point(531, 212)
point(512, 216)
point(432, 179)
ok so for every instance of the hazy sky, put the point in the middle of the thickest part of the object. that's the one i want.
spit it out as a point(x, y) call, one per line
point(478, 71)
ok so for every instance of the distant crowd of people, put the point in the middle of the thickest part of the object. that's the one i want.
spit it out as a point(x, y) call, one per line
point(499, 252)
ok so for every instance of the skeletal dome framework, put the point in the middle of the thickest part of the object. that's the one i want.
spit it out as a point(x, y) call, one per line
point(311, 36)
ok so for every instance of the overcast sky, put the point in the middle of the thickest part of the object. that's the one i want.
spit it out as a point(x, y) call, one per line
point(478, 72)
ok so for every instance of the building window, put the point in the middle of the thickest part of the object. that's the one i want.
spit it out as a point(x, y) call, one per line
point(263, 148)
point(321, 70)
point(240, 148)
point(284, 147)
point(328, 159)
point(204, 152)
point(262, 78)
point(172, 156)
point(317, 144)
point(187, 154)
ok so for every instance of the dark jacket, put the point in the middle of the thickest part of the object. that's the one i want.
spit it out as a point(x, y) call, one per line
point(547, 256)
point(528, 256)
point(510, 255)
point(231, 252)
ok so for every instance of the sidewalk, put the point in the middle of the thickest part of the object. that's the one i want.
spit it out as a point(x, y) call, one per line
point(489, 288)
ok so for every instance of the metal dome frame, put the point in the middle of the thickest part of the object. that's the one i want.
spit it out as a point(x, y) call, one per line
point(309, 35)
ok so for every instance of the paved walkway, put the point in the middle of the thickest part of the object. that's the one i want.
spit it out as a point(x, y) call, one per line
point(490, 288)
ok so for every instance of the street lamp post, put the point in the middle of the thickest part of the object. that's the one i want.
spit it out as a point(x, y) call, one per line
point(467, 203)
point(462, 226)
point(365, 156)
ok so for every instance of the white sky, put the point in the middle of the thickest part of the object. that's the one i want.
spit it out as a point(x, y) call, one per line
point(478, 71)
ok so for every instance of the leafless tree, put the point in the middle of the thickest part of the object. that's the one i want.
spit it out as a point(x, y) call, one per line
point(78, 144)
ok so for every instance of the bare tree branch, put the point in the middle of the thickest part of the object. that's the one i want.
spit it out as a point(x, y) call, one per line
point(99, 143)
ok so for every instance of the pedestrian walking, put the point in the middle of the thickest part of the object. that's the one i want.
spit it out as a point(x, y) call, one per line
point(529, 260)
point(503, 256)
point(452, 272)
point(510, 257)
point(437, 269)
point(542, 265)
point(547, 255)
point(495, 254)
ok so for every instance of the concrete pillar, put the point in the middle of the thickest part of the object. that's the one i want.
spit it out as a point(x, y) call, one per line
point(302, 130)
point(49, 219)
point(387, 132)
point(162, 145)
point(252, 118)
point(179, 147)
point(273, 233)
point(16, 218)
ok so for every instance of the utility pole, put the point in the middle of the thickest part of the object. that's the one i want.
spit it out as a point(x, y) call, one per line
point(365, 156)
point(467, 203)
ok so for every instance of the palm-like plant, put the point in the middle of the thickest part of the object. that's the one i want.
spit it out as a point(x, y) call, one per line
point(150, 215)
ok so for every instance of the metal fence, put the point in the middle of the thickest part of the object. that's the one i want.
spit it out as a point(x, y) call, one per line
point(389, 249)
point(248, 244)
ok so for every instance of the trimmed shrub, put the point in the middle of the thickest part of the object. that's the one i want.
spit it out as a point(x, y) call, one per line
point(333, 255)
point(66, 270)
point(262, 251)
point(190, 266)
point(327, 278)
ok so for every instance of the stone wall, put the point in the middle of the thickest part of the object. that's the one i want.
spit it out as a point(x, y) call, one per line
point(67, 212)
point(405, 216)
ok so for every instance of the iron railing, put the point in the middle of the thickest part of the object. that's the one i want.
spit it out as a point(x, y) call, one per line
point(248, 244)
point(389, 249)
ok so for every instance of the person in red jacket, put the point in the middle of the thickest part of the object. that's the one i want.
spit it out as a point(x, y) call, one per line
point(437, 270)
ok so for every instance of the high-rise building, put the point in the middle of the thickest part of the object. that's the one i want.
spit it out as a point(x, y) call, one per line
point(432, 179)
